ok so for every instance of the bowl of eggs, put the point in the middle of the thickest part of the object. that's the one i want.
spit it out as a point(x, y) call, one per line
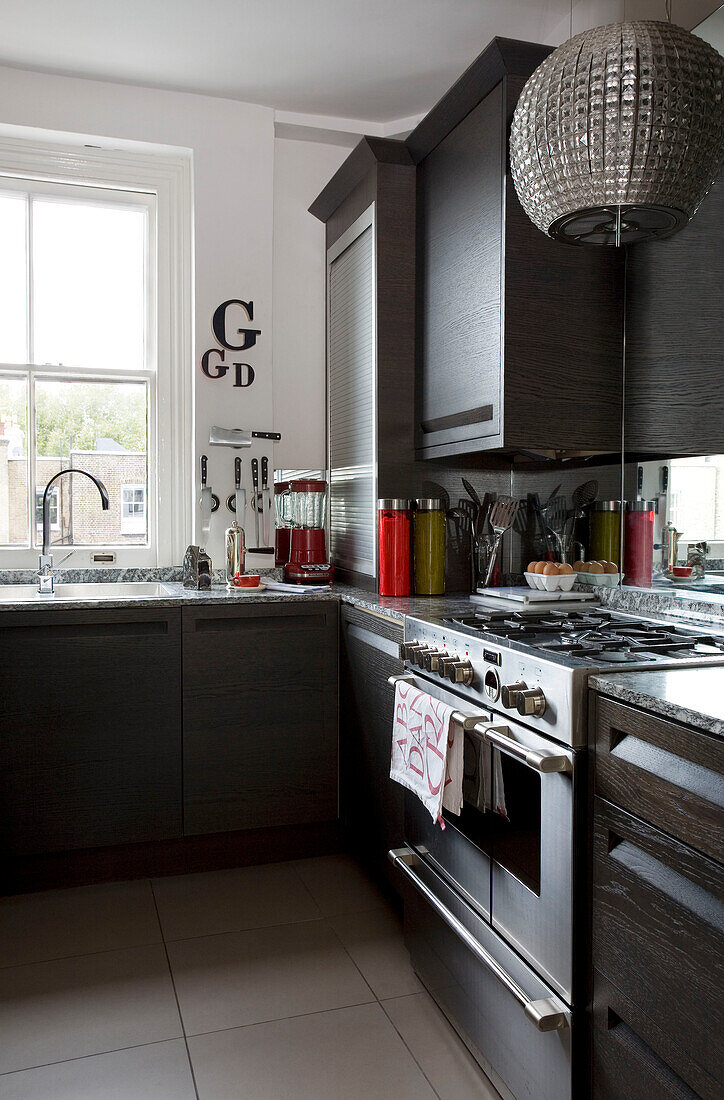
point(605, 574)
point(550, 576)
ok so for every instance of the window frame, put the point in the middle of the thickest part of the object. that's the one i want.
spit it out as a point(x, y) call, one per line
point(161, 179)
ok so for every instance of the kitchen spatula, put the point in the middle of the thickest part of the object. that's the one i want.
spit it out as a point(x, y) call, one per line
point(502, 515)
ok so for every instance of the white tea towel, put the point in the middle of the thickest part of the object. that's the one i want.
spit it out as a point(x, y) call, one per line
point(427, 750)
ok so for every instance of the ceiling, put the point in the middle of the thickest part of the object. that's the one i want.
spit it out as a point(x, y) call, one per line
point(377, 60)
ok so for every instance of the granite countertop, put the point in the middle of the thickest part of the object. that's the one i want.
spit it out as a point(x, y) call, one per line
point(693, 696)
point(176, 595)
point(395, 607)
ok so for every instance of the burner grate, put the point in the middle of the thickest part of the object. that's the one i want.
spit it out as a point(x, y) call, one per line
point(593, 635)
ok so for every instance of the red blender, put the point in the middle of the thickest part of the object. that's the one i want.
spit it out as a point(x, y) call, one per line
point(308, 562)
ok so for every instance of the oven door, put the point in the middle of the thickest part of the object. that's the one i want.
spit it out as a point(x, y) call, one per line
point(517, 1028)
point(532, 849)
point(461, 852)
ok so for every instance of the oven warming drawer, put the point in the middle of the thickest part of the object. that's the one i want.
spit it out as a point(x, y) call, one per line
point(511, 1019)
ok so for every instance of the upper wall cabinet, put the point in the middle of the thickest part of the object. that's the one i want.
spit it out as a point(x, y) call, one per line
point(675, 338)
point(518, 337)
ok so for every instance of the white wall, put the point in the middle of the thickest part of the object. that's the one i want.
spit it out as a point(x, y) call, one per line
point(237, 195)
point(301, 169)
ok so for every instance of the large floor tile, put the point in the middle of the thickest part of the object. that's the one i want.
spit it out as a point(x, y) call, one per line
point(373, 937)
point(73, 1007)
point(229, 901)
point(350, 1054)
point(57, 923)
point(339, 885)
point(448, 1065)
point(264, 974)
point(160, 1071)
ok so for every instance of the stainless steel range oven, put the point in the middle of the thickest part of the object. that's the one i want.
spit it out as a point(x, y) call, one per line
point(490, 899)
point(510, 852)
point(497, 884)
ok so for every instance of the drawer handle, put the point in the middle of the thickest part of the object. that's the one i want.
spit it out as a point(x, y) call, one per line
point(665, 880)
point(548, 1014)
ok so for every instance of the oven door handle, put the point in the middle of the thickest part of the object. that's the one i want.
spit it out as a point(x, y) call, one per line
point(540, 761)
point(548, 1014)
point(467, 721)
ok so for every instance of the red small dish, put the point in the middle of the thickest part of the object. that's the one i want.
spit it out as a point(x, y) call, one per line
point(248, 580)
point(681, 570)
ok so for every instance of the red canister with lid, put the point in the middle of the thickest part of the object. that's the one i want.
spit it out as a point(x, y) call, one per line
point(638, 552)
point(394, 531)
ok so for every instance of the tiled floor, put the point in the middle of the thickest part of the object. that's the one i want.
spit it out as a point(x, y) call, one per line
point(287, 981)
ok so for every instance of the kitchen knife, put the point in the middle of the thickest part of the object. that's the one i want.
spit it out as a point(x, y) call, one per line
point(265, 499)
point(237, 437)
point(255, 482)
point(208, 501)
point(236, 501)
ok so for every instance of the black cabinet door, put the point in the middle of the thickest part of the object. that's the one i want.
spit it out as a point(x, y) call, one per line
point(460, 204)
point(675, 338)
point(371, 804)
point(90, 712)
point(260, 715)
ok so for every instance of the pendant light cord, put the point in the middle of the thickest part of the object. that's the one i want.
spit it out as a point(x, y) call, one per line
point(623, 411)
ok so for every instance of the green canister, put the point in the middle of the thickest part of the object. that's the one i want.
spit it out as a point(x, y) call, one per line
point(606, 531)
point(429, 543)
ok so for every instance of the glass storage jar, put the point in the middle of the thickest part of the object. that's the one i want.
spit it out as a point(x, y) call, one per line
point(606, 532)
point(394, 531)
point(429, 547)
point(638, 547)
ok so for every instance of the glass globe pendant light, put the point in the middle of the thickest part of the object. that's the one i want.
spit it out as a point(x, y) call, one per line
point(619, 134)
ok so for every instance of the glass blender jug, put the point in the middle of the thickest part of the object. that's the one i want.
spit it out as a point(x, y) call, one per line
point(308, 562)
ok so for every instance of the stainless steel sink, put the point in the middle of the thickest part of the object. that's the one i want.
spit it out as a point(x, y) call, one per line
point(114, 590)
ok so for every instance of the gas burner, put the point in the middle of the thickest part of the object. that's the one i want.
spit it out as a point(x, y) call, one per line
point(592, 636)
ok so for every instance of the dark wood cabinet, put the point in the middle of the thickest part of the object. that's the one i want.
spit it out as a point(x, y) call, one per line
point(658, 907)
point(371, 804)
point(260, 715)
point(90, 710)
point(633, 1059)
point(519, 336)
point(667, 773)
point(675, 338)
point(658, 932)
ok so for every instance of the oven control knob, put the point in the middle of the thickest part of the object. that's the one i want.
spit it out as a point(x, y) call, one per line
point(531, 702)
point(432, 659)
point(509, 694)
point(420, 655)
point(445, 662)
point(407, 649)
point(460, 672)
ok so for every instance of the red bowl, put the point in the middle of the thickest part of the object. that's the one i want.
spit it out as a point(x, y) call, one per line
point(681, 570)
point(248, 580)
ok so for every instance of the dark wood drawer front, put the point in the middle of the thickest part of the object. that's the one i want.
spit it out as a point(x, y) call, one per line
point(635, 1060)
point(658, 930)
point(666, 773)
